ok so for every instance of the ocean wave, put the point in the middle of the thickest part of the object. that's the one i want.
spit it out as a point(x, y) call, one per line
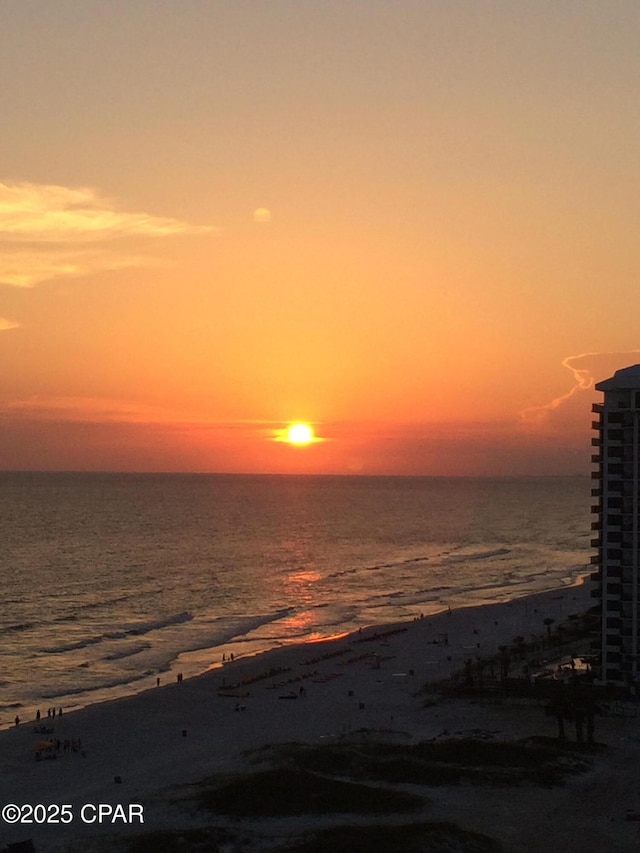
point(226, 630)
point(146, 627)
point(323, 616)
point(479, 555)
point(376, 567)
point(347, 614)
point(393, 563)
point(127, 653)
point(19, 626)
point(106, 684)
point(107, 602)
point(422, 597)
point(67, 617)
point(72, 647)
point(136, 630)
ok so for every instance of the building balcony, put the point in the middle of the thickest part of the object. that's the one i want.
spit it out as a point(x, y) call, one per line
point(612, 637)
point(618, 452)
point(614, 538)
point(615, 488)
point(611, 655)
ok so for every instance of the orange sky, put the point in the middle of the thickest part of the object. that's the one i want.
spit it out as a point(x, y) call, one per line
point(410, 224)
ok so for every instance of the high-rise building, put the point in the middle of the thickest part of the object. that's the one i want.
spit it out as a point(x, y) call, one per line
point(617, 488)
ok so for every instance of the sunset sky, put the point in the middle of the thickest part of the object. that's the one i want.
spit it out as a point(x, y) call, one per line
point(410, 224)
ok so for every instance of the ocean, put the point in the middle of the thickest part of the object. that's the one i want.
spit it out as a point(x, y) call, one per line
point(111, 581)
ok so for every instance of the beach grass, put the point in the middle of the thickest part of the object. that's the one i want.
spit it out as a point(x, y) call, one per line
point(446, 762)
point(207, 840)
point(436, 837)
point(287, 791)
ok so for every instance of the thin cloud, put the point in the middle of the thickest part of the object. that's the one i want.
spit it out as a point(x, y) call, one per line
point(113, 410)
point(7, 324)
point(583, 377)
point(34, 264)
point(85, 410)
point(48, 231)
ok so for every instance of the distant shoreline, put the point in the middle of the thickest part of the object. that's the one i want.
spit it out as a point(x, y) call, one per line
point(27, 714)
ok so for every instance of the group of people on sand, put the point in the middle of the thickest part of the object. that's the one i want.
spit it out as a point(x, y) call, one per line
point(53, 748)
point(51, 714)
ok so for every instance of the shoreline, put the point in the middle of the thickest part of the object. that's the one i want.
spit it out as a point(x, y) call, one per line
point(169, 674)
point(178, 733)
point(531, 603)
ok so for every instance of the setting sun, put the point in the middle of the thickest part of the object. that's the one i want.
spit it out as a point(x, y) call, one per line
point(300, 434)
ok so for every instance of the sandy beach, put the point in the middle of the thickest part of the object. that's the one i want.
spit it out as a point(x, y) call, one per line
point(142, 749)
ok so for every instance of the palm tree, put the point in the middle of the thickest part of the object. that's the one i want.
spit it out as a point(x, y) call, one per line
point(549, 622)
point(558, 707)
point(505, 662)
point(520, 646)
